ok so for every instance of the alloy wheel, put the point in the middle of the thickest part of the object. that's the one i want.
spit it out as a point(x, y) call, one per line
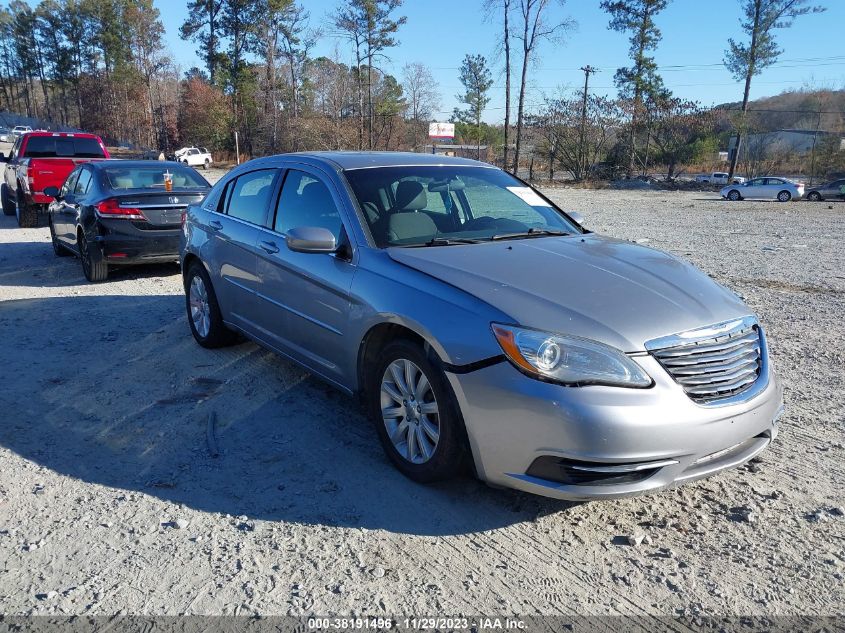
point(784, 196)
point(200, 308)
point(409, 410)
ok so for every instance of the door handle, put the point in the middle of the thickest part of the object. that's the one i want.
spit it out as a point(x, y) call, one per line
point(269, 247)
point(216, 225)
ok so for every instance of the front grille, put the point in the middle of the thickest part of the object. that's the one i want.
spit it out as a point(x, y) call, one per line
point(713, 367)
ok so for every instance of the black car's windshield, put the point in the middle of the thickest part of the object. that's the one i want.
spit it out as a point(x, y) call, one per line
point(443, 205)
point(153, 177)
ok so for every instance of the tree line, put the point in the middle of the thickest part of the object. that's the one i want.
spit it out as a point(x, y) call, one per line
point(103, 66)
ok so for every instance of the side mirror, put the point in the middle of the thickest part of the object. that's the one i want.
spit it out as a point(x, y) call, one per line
point(52, 192)
point(311, 239)
point(576, 216)
point(3, 158)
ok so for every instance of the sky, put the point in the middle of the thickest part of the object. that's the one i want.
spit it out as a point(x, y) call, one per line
point(695, 32)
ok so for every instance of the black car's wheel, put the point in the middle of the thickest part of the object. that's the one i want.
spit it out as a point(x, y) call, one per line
point(58, 248)
point(734, 195)
point(416, 415)
point(814, 196)
point(204, 315)
point(27, 214)
point(6, 200)
point(784, 196)
point(94, 264)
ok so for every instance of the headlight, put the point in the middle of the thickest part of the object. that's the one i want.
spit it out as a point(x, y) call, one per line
point(568, 360)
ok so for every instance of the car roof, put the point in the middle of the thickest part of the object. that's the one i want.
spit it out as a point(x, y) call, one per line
point(118, 162)
point(364, 160)
point(71, 134)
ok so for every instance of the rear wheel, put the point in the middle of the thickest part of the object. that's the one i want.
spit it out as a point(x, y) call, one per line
point(58, 248)
point(784, 196)
point(416, 415)
point(204, 315)
point(6, 200)
point(734, 195)
point(814, 196)
point(27, 214)
point(94, 265)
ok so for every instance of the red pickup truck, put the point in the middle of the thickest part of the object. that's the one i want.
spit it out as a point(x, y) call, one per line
point(39, 160)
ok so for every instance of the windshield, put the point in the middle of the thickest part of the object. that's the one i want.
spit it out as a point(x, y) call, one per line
point(153, 177)
point(438, 205)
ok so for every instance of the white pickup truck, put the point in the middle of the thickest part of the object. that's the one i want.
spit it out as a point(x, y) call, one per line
point(194, 156)
point(719, 178)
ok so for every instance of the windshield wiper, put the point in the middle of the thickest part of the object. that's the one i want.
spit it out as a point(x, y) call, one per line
point(532, 232)
point(446, 241)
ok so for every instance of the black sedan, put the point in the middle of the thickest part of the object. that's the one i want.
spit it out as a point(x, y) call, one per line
point(829, 191)
point(118, 212)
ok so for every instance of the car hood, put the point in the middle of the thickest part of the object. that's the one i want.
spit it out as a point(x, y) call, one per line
point(609, 290)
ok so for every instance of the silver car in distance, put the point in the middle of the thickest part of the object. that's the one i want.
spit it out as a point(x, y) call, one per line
point(482, 326)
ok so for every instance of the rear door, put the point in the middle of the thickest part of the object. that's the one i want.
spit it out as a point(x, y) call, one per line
point(303, 298)
point(234, 229)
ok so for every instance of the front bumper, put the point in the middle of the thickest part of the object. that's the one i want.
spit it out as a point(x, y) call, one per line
point(513, 420)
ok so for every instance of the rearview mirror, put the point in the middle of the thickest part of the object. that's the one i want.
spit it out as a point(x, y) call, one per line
point(52, 192)
point(311, 239)
point(576, 216)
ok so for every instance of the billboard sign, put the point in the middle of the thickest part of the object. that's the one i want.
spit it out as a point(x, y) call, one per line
point(442, 131)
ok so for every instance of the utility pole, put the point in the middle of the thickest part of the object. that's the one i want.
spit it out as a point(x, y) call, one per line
point(813, 153)
point(587, 70)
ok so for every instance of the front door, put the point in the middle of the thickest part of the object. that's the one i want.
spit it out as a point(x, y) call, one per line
point(304, 301)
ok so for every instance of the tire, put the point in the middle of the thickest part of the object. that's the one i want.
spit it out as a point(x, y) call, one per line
point(58, 249)
point(27, 214)
point(8, 204)
point(429, 446)
point(94, 265)
point(814, 196)
point(784, 196)
point(206, 164)
point(734, 195)
point(204, 317)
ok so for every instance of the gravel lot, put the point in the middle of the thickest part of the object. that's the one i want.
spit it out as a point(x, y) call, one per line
point(110, 502)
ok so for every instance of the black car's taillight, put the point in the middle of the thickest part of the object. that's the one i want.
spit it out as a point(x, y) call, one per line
point(110, 208)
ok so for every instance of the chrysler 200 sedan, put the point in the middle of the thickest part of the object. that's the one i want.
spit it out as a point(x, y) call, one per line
point(482, 326)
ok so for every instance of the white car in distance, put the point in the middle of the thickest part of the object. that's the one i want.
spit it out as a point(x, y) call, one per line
point(194, 156)
point(768, 188)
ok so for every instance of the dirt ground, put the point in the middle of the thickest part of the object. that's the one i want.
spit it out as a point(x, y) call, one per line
point(110, 502)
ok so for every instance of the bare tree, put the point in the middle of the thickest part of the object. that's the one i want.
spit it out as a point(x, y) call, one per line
point(492, 9)
point(422, 96)
point(535, 28)
point(760, 19)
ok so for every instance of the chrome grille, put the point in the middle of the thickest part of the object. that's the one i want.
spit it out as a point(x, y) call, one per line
point(713, 363)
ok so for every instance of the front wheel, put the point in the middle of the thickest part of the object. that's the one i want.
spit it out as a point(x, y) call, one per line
point(733, 195)
point(814, 196)
point(58, 248)
point(204, 315)
point(6, 200)
point(784, 196)
point(416, 415)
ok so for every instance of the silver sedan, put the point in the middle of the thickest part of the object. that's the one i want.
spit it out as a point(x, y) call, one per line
point(768, 188)
point(484, 329)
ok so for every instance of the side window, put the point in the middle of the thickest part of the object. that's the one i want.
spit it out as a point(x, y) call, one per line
point(306, 201)
point(83, 183)
point(250, 195)
point(70, 183)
